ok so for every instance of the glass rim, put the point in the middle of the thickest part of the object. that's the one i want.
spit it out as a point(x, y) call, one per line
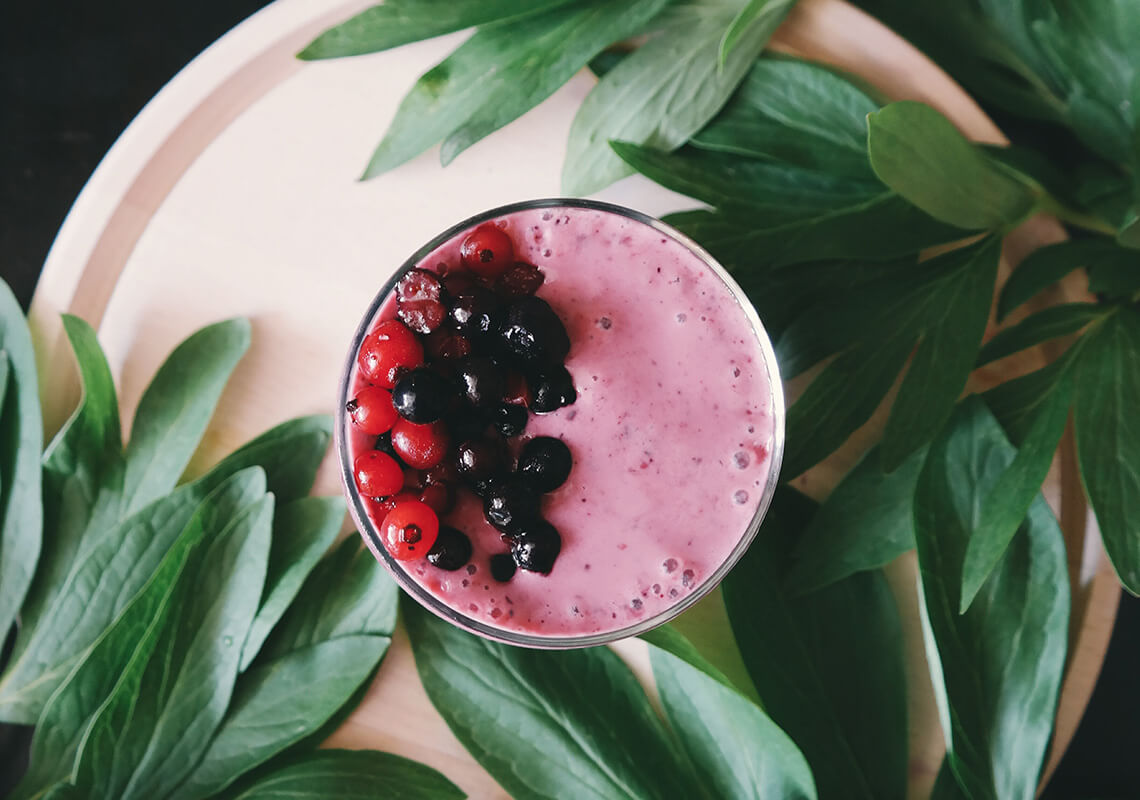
point(436, 605)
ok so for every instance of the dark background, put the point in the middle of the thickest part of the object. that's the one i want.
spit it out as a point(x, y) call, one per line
point(73, 75)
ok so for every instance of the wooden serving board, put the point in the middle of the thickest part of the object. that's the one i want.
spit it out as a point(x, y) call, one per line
point(234, 192)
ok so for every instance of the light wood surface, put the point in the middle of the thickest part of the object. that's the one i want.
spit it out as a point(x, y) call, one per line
point(234, 193)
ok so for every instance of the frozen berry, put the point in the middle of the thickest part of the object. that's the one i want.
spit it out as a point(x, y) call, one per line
point(510, 419)
point(503, 567)
point(384, 445)
point(423, 395)
point(467, 422)
point(409, 530)
point(551, 389)
point(419, 446)
point(420, 301)
point(377, 474)
point(440, 496)
point(545, 462)
point(458, 280)
point(387, 351)
point(452, 549)
point(536, 546)
point(510, 503)
point(483, 381)
point(487, 250)
point(447, 344)
point(533, 333)
point(519, 280)
point(476, 311)
point(372, 410)
point(517, 391)
point(482, 460)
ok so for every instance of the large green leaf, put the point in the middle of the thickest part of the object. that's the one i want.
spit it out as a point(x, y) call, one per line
point(175, 408)
point(1108, 436)
point(764, 14)
point(663, 92)
point(921, 155)
point(351, 775)
point(996, 701)
point(279, 703)
point(397, 22)
point(541, 721)
point(669, 639)
point(302, 532)
point(500, 73)
point(1017, 403)
point(828, 665)
point(738, 750)
point(21, 442)
point(1049, 323)
point(1044, 267)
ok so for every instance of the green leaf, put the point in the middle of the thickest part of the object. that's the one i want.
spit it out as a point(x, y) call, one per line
point(763, 14)
point(175, 408)
point(921, 155)
point(346, 594)
point(1129, 233)
point(540, 721)
point(946, 785)
point(1004, 507)
point(1108, 436)
point(820, 661)
point(98, 586)
point(1116, 277)
point(669, 639)
point(1017, 403)
point(279, 703)
point(302, 532)
point(21, 442)
point(351, 775)
point(500, 73)
point(398, 22)
point(996, 702)
point(1049, 323)
point(663, 92)
point(866, 522)
point(738, 751)
point(1047, 265)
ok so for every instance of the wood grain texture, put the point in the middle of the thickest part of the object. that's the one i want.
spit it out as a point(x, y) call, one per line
point(234, 193)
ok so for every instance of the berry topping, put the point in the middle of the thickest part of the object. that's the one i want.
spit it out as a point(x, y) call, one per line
point(440, 496)
point(382, 507)
point(423, 395)
point(487, 250)
point(533, 333)
point(519, 280)
point(409, 530)
point(502, 567)
point(476, 311)
point(443, 472)
point(467, 423)
point(447, 344)
point(482, 460)
point(372, 410)
point(377, 474)
point(388, 350)
point(551, 389)
point(452, 549)
point(483, 381)
point(517, 391)
point(536, 546)
point(419, 446)
point(419, 300)
point(510, 420)
point(545, 462)
point(384, 445)
point(509, 504)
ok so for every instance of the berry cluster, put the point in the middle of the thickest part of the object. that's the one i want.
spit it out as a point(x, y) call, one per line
point(448, 383)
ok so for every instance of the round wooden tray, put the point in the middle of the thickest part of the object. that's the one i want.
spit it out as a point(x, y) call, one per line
point(234, 192)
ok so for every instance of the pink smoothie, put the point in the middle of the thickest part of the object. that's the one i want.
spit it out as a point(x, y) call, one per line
point(672, 434)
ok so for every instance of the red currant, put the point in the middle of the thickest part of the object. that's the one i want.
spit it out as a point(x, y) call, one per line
point(387, 351)
point(519, 280)
point(380, 508)
point(372, 410)
point(419, 297)
point(487, 251)
point(409, 530)
point(439, 496)
point(377, 474)
point(420, 446)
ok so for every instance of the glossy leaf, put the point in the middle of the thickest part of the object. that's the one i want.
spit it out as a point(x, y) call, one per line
point(837, 686)
point(501, 72)
point(397, 22)
point(921, 155)
point(737, 749)
point(669, 639)
point(540, 721)
point(996, 702)
point(766, 14)
point(175, 408)
point(351, 775)
point(21, 443)
point(279, 703)
point(1108, 436)
point(1017, 403)
point(302, 532)
point(1044, 267)
point(1116, 277)
point(1050, 323)
point(664, 92)
point(866, 522)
